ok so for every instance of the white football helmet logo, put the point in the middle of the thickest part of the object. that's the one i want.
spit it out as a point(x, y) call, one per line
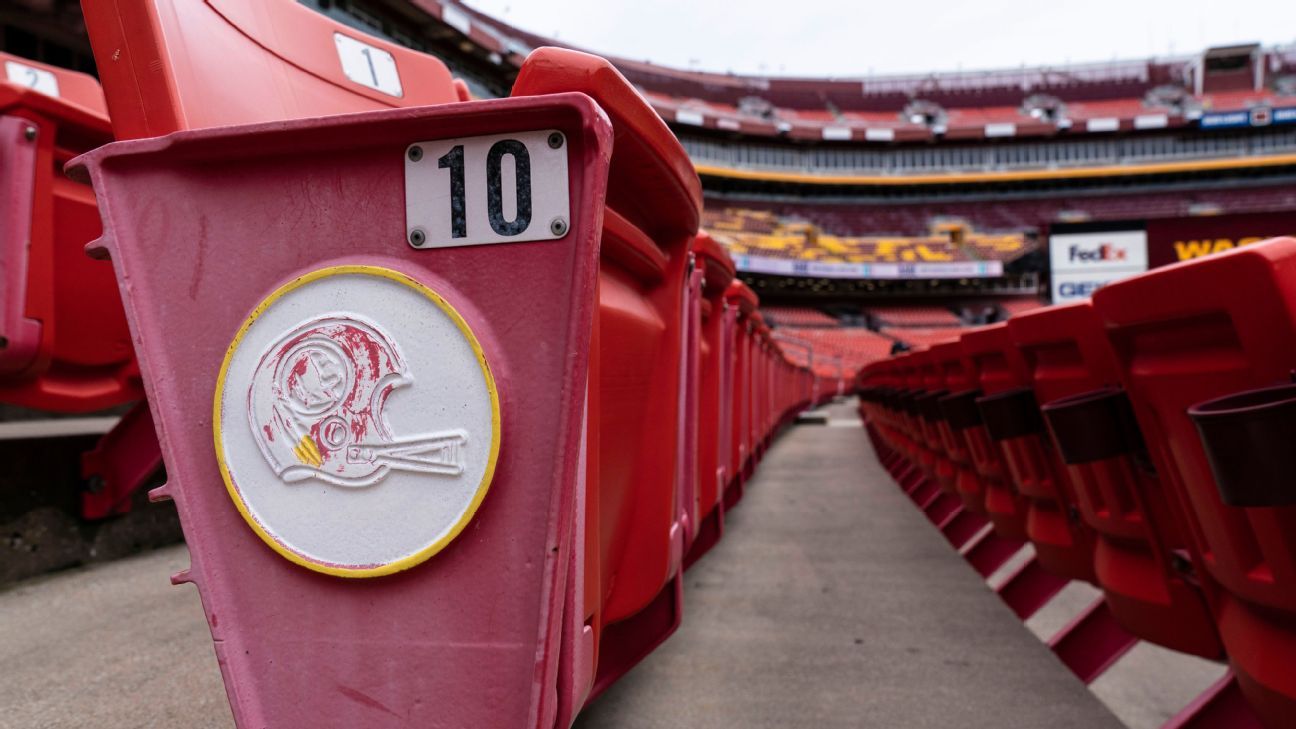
point(316, 407)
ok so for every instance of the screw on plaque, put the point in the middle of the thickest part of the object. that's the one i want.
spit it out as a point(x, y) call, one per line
point(30, 133)
point(417, 237)
point(555, 140)
point(558, 227)
point(415, 153)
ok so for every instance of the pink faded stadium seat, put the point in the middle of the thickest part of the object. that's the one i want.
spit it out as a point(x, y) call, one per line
point(192, 65)
point(1224, 327)
point(1143, 560)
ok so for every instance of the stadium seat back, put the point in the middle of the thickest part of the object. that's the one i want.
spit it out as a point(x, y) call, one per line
point(1141, 552)
point(653, 208)
point(1206, 329)
point(168, 65)
point(743, 304)
point(927, 381)
point(759, 386)
point(714, 368)
point(415, 635)
point(66, 344)
point(947, 357)
point(988, 352)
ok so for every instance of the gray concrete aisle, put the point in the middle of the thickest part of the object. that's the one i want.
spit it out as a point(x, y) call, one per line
point(831, 602)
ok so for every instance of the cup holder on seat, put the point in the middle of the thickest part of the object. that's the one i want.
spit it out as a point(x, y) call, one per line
point(1094, 426)
point(929, 406)
point(960, 409)
point(1011, 414)
point(1250, 441)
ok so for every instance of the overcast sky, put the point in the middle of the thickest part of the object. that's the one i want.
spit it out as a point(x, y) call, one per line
point(844, 38)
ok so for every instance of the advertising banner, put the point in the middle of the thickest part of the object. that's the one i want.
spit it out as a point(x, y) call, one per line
point(1086, 257)
point(1172, 240)
point(788, 267)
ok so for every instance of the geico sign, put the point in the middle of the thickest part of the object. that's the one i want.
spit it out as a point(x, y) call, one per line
point(1104, 253)
point(1079, 289)
point(1198, 248)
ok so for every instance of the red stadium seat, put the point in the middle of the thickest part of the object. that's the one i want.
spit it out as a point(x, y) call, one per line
point(958, 413)
point(1143, 560)
point(988, 354)
point(990, 361)
point(220, 62)
point(759, 394)
point(64, 342)
point(1215, 328)
point(714, 407)
point(742, 305)
point(1011, 413)
point(66, 345)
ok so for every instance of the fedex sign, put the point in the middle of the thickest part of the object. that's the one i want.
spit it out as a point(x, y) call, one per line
point(1104, 252)
point(1083, 261)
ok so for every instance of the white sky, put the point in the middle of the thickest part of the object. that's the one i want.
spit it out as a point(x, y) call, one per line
point(844, 38)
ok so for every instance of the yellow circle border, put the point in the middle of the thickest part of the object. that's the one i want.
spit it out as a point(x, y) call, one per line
point(423, 554)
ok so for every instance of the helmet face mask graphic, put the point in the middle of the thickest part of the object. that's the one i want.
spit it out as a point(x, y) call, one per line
point(356, 421)
point(316, 407)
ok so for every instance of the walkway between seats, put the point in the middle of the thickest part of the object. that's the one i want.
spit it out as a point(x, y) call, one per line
point(831, 602)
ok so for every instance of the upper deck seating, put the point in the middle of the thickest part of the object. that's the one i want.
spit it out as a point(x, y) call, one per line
point(799, 316)
point(913, 316)
point(759, 233)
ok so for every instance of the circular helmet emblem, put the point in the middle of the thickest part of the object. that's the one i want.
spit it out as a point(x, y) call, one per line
point(356, 421)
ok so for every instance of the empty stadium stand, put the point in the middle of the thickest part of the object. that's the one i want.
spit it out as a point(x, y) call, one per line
point(761, 233)
point(797, 316)
point(443, 467)
point(855, 345)
point(1019, 212)
point(914, 316)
